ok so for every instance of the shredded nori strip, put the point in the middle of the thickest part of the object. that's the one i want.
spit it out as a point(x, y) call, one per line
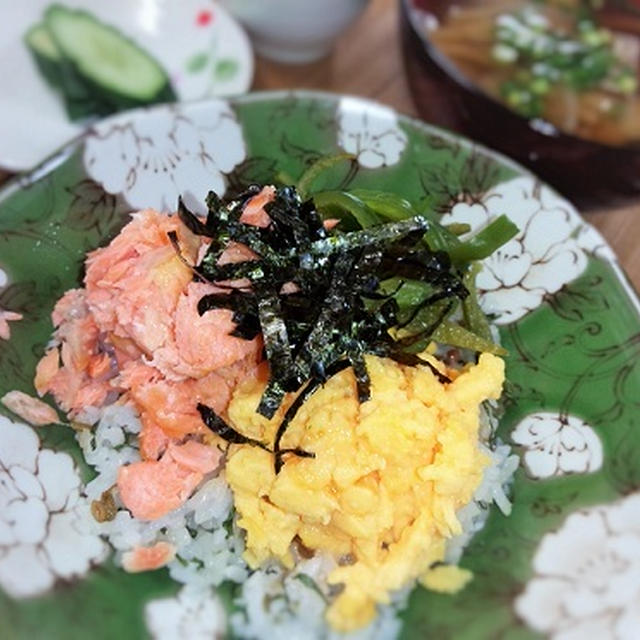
point(311, 387)
point(315, 296)
point(192, 222)
point(225, 431)
point(277, 348)
point(221, 428)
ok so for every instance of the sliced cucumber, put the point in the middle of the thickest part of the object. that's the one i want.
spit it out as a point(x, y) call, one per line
point(97, 69)
point(39, 40)
point(45, 53)
point(111, 65)
point(78, 99)
point(83, 108)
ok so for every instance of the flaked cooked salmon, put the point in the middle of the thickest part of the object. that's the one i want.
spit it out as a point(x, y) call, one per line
point(133, 331)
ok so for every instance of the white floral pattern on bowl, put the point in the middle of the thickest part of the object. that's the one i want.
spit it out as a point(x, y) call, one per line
point(40, 537)
point(193, 614)
point(370, 132)
point(587, 576)
point(204, 51)
point(164, 153)
point(590, 240)
point(557, 445)
point(539, 261)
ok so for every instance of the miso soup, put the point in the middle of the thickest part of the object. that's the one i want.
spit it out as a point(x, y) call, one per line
point(572, 64)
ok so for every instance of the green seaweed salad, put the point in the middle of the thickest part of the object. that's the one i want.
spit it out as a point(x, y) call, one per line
point(383, 279)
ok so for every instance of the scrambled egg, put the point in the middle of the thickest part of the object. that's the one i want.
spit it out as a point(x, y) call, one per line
point(382, 492)
point(446, 578)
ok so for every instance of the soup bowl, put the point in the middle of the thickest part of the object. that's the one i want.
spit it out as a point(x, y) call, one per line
point(591, 173)
point(295, 31)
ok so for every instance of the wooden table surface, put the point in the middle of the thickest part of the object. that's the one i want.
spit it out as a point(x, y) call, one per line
point(367, 62)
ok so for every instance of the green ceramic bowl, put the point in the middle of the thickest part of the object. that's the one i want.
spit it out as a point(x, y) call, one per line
point(565, 563)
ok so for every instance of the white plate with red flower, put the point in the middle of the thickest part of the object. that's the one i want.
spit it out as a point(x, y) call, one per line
point(203, 49)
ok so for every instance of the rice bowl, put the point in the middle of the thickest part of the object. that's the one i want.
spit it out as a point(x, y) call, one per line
point(330, 469)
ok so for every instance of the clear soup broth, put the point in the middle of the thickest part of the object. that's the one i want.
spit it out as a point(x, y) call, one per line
point(573, 64)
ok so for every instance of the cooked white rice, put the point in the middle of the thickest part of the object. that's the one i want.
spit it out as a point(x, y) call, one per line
point(274, 603)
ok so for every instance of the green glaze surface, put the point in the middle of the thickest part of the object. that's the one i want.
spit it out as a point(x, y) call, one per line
point(575, 354)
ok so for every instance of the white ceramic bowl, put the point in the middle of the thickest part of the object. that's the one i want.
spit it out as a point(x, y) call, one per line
point(295, 31)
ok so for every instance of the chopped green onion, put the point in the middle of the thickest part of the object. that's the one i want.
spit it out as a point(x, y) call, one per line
point(627, 83)
point(504, 53)
point(542, 57)
point(540, 86)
